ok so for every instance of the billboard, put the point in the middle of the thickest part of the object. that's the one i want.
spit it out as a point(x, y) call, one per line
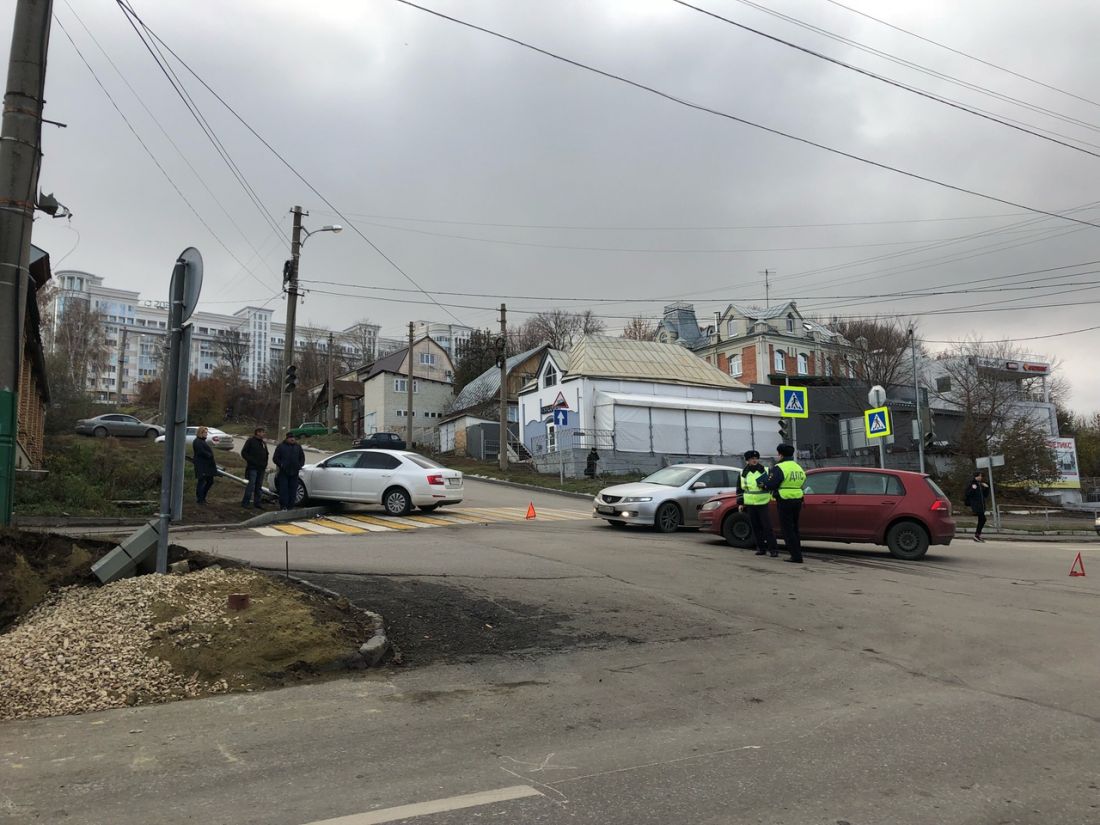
point(1065, 455)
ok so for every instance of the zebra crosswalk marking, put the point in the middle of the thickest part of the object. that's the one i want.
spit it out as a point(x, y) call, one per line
point(380, 522)
point(360, 523)
point(362, 526)
point(291, 530)
point(434, 521)
point(338, 526)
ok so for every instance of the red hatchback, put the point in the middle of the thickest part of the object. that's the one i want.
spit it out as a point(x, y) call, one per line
point(904, 511)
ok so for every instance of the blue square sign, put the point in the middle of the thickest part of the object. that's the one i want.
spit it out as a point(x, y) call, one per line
point(561, 418)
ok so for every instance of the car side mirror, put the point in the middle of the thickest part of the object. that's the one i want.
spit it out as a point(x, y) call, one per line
point(698, 485)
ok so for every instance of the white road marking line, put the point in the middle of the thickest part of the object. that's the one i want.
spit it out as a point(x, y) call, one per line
point(436, 806)
point(409, 522)
point(317, 528)
point(268, 531)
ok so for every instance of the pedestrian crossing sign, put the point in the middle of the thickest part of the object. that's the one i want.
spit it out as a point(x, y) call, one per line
point(793, 402)
point(877, 422)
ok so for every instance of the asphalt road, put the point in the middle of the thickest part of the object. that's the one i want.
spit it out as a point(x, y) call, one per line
point(698, 684)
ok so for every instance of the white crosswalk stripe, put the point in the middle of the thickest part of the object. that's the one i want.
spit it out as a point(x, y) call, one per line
point(369, 522)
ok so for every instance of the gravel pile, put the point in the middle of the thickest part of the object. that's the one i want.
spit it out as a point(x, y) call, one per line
point(84, 649)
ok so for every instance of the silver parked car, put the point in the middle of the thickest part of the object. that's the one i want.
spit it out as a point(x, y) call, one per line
point(119, 425)
point(218, 440)
point(396, 479)
point(668, 499)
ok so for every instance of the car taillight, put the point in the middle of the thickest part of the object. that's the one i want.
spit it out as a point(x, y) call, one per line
point(436, 479)
point(940, 506)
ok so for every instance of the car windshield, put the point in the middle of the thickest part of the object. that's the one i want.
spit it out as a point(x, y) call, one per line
point(672, 476)
point(424, 462)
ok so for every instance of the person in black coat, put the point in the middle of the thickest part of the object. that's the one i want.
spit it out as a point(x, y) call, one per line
point(977, 494)
point(256, 455)
point(290, 458)
point(205, 468)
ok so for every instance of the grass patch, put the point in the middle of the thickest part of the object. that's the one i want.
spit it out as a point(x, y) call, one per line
point(523, 474)
point(90, 476)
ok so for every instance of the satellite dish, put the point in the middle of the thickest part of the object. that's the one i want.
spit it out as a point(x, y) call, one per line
point(191, 271)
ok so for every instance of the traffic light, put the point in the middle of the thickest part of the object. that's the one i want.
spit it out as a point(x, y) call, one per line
point(291, 379)
point(784, 430)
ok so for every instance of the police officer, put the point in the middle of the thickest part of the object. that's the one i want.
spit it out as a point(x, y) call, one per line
point(755, 500)
point(786, 481)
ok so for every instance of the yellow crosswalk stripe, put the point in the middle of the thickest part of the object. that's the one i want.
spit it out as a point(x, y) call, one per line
point(380, 522)
point(363, 526)
point(292, 530)
point(495, 515)
point(335, 525)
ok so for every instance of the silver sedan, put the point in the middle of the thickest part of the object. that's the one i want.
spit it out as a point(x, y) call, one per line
point(119, 425)
point(668, 499)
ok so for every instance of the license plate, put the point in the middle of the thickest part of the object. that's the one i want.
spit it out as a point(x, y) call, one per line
point(608, 510)
point(454, 482)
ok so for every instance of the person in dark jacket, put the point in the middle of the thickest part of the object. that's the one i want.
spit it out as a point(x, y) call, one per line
point(786, 480)
point(590, 464)
point(754, 499)
point(977, 494)
point(255, 454)
point(205, 468)
point(290, 458)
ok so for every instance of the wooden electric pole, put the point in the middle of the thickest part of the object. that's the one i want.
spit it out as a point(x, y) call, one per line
point(290, 379)
point(20, 142)
point(409, 409)
point(502, 357)
point(330, 418)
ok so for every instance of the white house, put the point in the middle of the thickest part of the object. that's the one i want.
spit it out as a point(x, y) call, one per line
point(641, 397)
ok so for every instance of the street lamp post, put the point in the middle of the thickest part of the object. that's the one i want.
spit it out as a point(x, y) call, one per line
point(290, 278)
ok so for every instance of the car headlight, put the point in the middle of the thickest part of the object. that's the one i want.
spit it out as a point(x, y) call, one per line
point(636, 499)
point(711, 505)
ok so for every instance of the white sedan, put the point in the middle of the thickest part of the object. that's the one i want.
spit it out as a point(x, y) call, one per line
point(218, 440)
point(396, 479)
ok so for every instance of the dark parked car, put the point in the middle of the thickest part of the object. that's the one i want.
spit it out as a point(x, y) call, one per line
point(119, 425)
point(380, 441)
point(308, 428)
point(904, 511)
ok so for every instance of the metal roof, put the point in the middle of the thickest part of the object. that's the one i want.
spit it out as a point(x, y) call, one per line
point(487, 385)
point(606, 357)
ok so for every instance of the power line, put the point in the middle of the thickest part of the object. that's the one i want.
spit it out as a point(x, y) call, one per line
point(1016, 340)
point(196, 113)
point(287, 163)
point(965, 54)
point(153, 157)
point(744, 121)
point(965, 84)
point(954, 104)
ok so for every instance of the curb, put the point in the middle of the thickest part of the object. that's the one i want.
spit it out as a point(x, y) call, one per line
point(375, 649)
point(281, 515)
point(533, 487)
point(1020, 535)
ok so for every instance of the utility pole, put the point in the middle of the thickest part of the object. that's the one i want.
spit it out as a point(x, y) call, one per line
point(916, 400)
point(330, 418)
point(121, 361)
point(290, 284)
point(502, 359)
point(767, 288)
point(20, 142)
point(409, 388)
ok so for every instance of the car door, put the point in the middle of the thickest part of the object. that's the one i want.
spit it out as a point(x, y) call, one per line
point(114, 424)
point(130, 426)
point(868, 500)
point(713, 482)
point(332, 478)
point(818, 519)
point(374, 472)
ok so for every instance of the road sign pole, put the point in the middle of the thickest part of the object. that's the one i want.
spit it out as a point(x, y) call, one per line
point(993, 499)
point(794, 434)
point(881, 454)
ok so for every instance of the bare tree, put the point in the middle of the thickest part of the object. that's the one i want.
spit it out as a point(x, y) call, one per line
point(640, 328)
point(558, 328)
point(79, 344)
point(881, 353)
point(233, 349)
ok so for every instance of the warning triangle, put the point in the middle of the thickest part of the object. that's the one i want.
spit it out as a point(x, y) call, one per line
point(1078, 568)
point(794, 403)
point(530, 511)
point(560, 401)
point(878, 423)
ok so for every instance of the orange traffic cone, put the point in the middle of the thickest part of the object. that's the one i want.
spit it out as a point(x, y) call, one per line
point(1077, 563)
point(531, 513)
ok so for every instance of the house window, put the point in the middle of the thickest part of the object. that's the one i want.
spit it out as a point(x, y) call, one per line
point(402, 385)
point(550, 377)
point(828, 366)
point(803, 364)
point(780, 361)
point(943, 383)
point(731, 329)
point(427, 359)
point(735, 365)
point(790, 323)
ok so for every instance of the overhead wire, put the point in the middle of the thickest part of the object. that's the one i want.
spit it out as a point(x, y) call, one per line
point(153, 157)
point(286, 163)
point(954, 104)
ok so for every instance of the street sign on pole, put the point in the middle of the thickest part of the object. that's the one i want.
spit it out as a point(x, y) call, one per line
point(794, 402)
point(988, 461)
point(192, 281)
point(877, 396)
point(561, 417)
point(876, 422)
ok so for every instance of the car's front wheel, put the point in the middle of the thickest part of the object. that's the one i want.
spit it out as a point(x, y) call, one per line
point(668, 518)
point(907, 540)
point(151, 433)
point(737, 531)
point(396, 501)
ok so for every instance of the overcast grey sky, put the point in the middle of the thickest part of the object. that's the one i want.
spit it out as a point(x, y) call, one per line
point(430, 136)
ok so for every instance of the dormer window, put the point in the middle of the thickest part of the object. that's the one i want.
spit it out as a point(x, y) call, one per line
point(550, 377)
point(790, 323)
point(731, 328)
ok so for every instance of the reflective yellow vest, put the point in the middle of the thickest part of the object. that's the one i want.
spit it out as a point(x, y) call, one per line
point(750, 480)
point(793, 479)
